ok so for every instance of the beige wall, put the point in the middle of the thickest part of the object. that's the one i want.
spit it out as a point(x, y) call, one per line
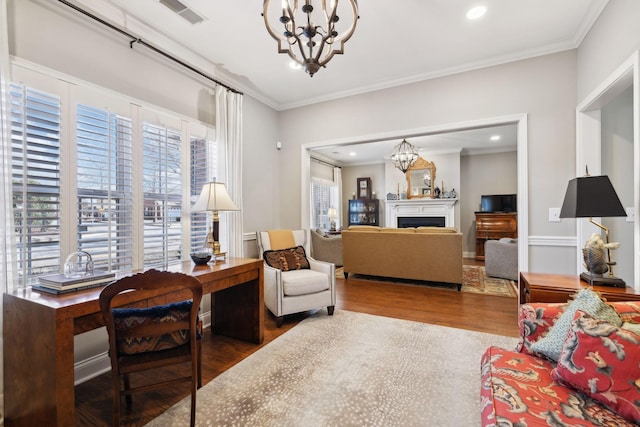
point(611, 40)
point(52, 35)
point(262, 164)
point(543, 88)
point(483, 174)
point(350, 176)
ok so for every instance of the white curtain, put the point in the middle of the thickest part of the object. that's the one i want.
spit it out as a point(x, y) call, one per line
point(337, 180)
point(7, 247)
point(229, 132)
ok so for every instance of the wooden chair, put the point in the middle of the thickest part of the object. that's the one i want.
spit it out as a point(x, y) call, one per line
point(154, 336)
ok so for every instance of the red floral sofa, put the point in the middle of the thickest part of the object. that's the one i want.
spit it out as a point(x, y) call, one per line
point(595, 382)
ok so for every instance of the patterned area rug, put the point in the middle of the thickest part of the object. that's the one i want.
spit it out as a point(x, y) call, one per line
point(349, 369)
point(474, 280)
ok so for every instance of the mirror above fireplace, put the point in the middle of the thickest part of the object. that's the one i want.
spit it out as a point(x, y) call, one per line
point(421, 179)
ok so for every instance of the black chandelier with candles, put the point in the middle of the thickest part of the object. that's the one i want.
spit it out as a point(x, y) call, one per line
point(307, 43)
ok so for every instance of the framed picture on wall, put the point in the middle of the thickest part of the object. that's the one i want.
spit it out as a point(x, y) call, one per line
point(364, 188)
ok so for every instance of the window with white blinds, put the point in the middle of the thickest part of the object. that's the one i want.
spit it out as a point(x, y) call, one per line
point(122, 192)
point(321, 199)
point(203, 166)
point(162, 184)
point(105, 187)
point(35, 167)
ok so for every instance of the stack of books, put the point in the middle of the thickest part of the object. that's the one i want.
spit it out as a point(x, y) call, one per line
point(59, 283)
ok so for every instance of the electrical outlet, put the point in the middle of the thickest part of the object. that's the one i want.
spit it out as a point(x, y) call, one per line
point(554, 214)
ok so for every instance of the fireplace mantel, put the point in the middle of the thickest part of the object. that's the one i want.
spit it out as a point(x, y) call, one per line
point(420, 208)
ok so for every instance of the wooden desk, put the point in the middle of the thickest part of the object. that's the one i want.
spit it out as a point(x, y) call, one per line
point(540, 287)
point(39, 329)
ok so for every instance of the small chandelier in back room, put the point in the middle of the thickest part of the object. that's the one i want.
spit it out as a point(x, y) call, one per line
point(309, 44)
point(404, 156)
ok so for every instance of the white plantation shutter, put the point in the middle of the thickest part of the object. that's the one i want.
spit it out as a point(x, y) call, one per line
point(121, 179)
point(321, 199)
point(203, 166)
point(35, 167)
point(162, 186)
point(105, 187)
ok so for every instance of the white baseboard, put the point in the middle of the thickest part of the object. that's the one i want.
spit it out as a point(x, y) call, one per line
point(91, 368)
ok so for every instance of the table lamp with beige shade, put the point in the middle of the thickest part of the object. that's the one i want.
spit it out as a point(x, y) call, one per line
point(214, 198)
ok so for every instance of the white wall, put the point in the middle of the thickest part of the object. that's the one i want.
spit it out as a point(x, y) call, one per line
point(611, 40)
point(543, 88)
point(617, 163)
point(483, 174)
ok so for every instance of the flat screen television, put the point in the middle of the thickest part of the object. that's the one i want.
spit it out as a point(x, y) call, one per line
point(498, 203)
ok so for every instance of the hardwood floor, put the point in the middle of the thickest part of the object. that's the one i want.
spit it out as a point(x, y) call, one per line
point(443, 306)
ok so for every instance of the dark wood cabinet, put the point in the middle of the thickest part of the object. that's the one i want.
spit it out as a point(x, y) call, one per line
point(364, 212)
point(542, 287)
point(494, 226)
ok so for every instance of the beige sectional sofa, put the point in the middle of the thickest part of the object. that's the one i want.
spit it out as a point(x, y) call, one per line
point(425, 253)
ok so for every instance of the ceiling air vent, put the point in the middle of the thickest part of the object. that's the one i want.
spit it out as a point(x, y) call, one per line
point(182, 10)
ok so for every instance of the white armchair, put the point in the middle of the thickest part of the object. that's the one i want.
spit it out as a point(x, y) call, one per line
point(294, 291)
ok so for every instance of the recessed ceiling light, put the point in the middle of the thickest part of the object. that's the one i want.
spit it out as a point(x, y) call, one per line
point(353, 153)
point(476, 12)
point(295, 65)
point(495, 137)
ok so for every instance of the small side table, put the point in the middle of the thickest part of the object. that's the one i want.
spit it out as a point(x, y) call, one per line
point(333, 232)
point(541, 287)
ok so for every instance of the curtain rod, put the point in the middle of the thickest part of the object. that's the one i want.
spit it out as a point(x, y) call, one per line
point(324, 163)
point(147, 45)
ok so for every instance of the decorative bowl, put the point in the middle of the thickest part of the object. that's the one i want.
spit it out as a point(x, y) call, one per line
point(200, 258)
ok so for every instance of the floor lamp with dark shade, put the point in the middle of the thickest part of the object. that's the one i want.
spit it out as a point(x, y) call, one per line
point(588, 197)
point(214, 198)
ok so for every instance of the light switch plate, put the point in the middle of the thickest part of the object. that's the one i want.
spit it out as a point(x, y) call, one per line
point(631, 216)
point(554, 214)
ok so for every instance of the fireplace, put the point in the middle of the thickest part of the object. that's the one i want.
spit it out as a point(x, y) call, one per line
point(421, 221)
point(429, 212)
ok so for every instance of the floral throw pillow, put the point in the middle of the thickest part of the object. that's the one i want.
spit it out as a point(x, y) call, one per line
point(287, 259)
point(586, 300)
point(602, 361)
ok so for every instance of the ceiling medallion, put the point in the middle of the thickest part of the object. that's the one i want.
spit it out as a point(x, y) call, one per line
point(307, 43)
